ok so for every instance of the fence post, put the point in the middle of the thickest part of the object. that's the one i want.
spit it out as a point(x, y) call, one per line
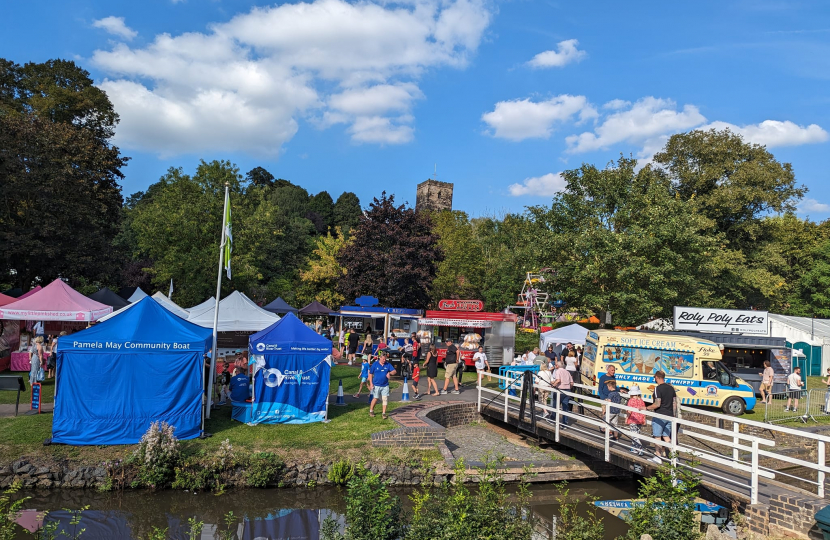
point(674, 429)
point(607, 416)
point(557, 415)
point(736, 429)
point(821, 459)
point(479, 396)
point(506, 397)
point(753, 489)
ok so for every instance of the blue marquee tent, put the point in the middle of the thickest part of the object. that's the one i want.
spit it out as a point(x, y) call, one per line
point(291, 378)
point(116, 378)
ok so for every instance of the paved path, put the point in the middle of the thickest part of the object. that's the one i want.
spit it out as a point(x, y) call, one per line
point(480, 443)
point(7, 409)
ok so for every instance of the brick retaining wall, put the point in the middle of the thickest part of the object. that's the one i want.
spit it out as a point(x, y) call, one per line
point(428, 427)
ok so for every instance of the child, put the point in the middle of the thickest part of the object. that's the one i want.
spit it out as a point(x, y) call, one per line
point(416, 375)
point(613, 397)
point(364, 375)
point(224, 382)
point(635, 420)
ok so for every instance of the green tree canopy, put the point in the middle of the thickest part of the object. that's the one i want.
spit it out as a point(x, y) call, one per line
point(461, 273)
point(347, 211)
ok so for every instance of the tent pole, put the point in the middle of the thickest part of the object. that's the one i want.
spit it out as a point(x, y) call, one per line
point(214, 351)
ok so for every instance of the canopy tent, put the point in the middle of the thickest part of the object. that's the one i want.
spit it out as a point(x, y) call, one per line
point(137, 295)
point(280, 307)
point(55, 302)
point(237, 313)
point(6, 299)
point(291, 377)
point(29, 293)
point(109, 298)
point(566, 334)
point(199, 307)
point(170, 305)
point(315, 308)
point(117, 377)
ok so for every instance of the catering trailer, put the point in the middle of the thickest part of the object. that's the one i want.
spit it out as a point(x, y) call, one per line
point(464, 322)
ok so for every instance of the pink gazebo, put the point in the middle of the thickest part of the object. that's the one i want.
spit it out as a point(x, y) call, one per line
point(55, 302)
point(6, 299)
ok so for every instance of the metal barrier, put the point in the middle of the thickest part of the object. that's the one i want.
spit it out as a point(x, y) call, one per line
point(719, 451)
point(780, 407)
point(818, 404)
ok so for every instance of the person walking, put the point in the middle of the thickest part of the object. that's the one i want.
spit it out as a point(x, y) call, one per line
point(450, 367)
point(353, 340)
point(827, 393)
point(562, 381)
point(766, 383)
point(794, 385)
point(635, 420)
point(462, 367)
point(545, 379)
point(572, 364)
point(416, 348)
point(416, 377)
point(481, 362)
point(431, 363)
point(341, 340)
point(614, 414)
point(224, 384)
point(665, 403)
point(379, 375)
point(364, 375)
point(368, 344)
point(602, 385)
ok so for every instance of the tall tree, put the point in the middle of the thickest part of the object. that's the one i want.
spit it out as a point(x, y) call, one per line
point(347, 211)
point(394, 256)
point(323, 206)
point(811, 295)
point(735, 185)
point(58, 175)
point(320, 279)
point(461, 273)
point(259, 177)
point(620, 241)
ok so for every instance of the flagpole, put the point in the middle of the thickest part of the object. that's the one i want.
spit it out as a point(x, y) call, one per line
point(216, 306)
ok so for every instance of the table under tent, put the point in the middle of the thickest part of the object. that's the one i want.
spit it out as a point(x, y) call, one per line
point(291, 375)
point(142, 366)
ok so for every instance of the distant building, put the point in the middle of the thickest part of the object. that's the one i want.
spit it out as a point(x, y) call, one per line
point(434, 195)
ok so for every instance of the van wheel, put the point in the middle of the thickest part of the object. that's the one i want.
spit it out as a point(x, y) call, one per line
point(734, 406)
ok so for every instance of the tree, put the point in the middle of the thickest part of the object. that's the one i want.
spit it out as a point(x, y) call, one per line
point(735, 185)
point(58, 174)
point(619, 241)
point(323, 205)
point(461, 273)
point(393, 257)
point(259, 177)
point(319, 280)
point(811, 294)
point(347, 211)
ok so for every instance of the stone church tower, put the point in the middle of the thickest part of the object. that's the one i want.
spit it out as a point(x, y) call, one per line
point(434, 195)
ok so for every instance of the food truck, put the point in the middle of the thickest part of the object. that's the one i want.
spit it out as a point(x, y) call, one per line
point(465, 322)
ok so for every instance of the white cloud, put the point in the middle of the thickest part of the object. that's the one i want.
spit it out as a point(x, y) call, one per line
point(812, 205)
point(116, 27)
point(546, 185)
point(772, 133)
point(566, 53)
point(243, 84)
point(616, 104)
point(524, 119)
point(647, 118)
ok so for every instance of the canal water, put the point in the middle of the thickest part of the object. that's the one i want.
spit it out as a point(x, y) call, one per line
point(273, 514)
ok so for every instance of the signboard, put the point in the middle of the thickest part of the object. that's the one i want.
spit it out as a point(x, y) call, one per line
point(781, 361)
point(721, 320)
point(366, 301)
point(36, 397)
point(461, 305)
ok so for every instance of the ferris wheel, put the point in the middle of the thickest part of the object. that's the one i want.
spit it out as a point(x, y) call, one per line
point(536, 302)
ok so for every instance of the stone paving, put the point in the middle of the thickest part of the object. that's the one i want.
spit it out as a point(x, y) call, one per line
point(480, 442)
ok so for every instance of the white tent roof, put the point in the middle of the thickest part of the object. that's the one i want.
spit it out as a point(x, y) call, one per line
point(170, 305)
point(237, 313)
point(573, 333)
point(198, 308)
point(137, 295)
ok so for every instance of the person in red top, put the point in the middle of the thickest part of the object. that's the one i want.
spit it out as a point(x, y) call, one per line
point(416, 376)
point(635, 420)
point(416, 348)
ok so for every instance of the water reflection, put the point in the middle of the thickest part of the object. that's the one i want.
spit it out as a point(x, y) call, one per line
point(274, 514)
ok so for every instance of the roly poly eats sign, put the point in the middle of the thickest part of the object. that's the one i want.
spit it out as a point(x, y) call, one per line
point(721, 320)
point(460, 305)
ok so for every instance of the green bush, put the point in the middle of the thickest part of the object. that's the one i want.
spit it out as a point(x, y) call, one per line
point(341, 472)
point(571, 525)
point(157, 455)
point(372, 513)
point(8, 511)
point(668, 509)
point(263, 468)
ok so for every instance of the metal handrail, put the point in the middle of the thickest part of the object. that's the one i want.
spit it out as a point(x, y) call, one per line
point(735, 440)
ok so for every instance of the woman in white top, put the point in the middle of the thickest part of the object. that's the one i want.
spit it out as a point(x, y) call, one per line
point(544, 378)
point(572, 364)
point(481, 362)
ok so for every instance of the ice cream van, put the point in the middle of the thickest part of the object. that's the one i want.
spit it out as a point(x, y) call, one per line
point(693, 367)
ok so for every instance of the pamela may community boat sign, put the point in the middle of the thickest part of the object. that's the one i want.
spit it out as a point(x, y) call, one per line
point(721, 320)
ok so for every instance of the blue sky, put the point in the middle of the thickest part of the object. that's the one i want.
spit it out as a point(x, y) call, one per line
point(502, 96)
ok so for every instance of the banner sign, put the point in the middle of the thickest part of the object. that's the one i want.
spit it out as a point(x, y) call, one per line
point(460, 323)
point(290, 389)
point(721, 320)
point(31, 315)
point(36, 397)
point(461, 305)
point(127, 346)
point(781, 361)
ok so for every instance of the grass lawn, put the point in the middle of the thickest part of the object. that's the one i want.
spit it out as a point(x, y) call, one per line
point(47, 388)
point(348, 435)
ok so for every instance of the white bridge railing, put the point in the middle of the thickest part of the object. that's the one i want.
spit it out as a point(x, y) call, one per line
point(690, 441)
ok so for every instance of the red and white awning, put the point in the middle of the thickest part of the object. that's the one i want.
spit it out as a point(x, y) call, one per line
point(462, 323)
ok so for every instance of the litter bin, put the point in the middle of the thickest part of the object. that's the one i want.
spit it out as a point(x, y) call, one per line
point(823, 521)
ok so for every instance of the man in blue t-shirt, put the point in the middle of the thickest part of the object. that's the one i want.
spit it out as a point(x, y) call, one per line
point(379, 375)
point(602, 386)
point(239, 386)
